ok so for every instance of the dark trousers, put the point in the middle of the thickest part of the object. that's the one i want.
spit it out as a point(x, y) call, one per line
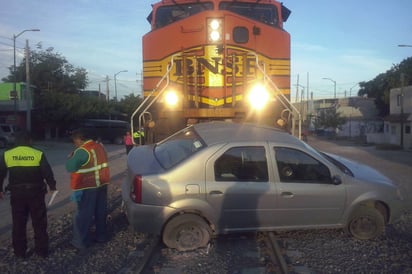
point(128, 148)
point(92, 203)
point(21, 207)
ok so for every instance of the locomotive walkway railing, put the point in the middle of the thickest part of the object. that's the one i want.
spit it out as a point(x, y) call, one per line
point(282, 98)
point(150, 100)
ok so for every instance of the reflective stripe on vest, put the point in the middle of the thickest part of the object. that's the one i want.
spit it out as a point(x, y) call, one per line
point(96, 168)
point(138, 134)
point(22, 156)
point(94, 172)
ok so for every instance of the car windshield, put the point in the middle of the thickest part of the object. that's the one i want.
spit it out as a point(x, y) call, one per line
point(177, 148)
point(335, 162)
point(341, 166)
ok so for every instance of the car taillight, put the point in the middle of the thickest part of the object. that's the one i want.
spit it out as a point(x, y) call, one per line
point(136, 189)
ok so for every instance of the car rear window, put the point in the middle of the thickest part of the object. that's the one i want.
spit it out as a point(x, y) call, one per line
point(177, 148)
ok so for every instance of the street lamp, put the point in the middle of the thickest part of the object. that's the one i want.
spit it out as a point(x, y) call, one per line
point(350, 90)
point(115, 85)
point(334, 85)
point(14, 70)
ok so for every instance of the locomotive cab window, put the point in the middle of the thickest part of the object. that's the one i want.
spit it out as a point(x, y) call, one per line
point(267, 14)
point(169, 14)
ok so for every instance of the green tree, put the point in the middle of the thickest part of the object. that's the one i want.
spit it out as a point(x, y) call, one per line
point(57, 110)
point(128, 104)
point(50, 71)
point(379, 88)
point(330, 118)
point(58, 100)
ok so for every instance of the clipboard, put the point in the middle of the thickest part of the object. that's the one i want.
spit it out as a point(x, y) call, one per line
point(52, 197)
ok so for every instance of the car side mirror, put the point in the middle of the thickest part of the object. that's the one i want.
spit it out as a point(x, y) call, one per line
point(336, 180)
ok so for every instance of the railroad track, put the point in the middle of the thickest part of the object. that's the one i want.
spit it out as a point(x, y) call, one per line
point(276, 251)
point(261, 252)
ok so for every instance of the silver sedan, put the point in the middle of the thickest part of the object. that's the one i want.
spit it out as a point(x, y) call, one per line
point(221, 177)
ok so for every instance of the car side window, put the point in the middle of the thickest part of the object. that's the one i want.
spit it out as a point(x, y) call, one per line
point(242, 164)
point(297, 166)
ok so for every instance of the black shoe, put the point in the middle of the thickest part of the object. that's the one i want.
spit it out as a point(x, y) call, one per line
point(42, 255)
point(99, 241)
point(20, 256)
point(76, 250)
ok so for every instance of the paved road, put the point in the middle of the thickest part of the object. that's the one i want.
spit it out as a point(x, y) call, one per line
point(56, 153)
point(395, 164)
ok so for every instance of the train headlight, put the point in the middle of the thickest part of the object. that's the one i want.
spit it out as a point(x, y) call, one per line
point(215, 30)
point(171, 98)
point(258, 97)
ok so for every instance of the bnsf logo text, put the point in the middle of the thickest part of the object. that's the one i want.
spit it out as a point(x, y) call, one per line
point(213, 70)
point(216, 65)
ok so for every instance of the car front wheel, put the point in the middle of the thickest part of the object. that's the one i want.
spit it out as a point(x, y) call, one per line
point(186, 232)
point(366, 223)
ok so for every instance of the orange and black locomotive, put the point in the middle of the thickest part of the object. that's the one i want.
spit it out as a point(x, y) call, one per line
point(215, 60)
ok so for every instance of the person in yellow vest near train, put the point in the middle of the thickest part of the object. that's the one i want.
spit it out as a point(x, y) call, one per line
point(138, 136)
point(29, 172)
point(89, 179)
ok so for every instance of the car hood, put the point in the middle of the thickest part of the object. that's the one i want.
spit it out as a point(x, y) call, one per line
point(361, 171)
point(141, 160)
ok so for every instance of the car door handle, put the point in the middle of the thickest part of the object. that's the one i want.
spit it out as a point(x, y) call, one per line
point(215, 192)
point(287, 194)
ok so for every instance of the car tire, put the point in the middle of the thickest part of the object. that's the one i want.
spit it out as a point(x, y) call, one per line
point(366, 223)
point(186, 232)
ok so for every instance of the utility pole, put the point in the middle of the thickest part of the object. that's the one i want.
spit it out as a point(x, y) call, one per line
point(28, 89)
point(107, 88)
point(14, 70)
point(297, 89)
point(308, 111)
point(401, 103)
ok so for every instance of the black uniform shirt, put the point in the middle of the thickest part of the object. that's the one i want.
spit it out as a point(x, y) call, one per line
point(28, 170)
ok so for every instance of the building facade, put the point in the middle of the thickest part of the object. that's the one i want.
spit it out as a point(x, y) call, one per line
point(397, 125)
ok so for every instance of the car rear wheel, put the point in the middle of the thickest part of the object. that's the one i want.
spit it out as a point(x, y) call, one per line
point(366, 223)
point(186, 232)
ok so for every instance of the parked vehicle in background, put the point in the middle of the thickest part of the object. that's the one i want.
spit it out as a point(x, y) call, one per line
point(7, 134)
point(104, 130)
point(221, 177)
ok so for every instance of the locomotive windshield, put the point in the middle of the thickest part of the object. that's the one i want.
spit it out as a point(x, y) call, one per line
point(267, 14)
point(169, 14)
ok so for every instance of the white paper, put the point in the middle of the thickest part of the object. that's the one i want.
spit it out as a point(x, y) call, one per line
point(52, 197)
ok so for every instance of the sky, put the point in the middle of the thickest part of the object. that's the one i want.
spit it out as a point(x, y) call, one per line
point(347, 42)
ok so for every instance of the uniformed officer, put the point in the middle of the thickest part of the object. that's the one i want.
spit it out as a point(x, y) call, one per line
point(138, 136)
point(29, 171)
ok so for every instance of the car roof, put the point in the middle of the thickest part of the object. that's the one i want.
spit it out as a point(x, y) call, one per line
point(220, 131)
